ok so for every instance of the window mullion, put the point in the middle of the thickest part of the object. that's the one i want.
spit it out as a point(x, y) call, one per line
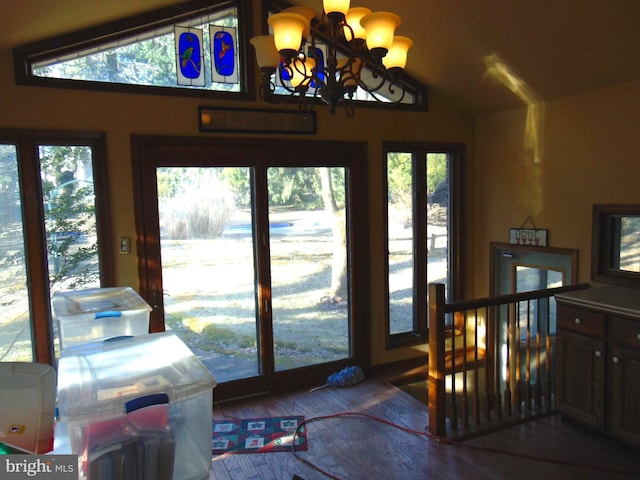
point(35, 250)
point(421, 253)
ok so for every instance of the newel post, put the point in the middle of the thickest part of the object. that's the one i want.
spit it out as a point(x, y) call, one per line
point(437, 408)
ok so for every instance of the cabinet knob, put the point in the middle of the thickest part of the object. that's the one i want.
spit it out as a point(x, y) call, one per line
point(598, 353)
point(638, 336)
point(577, 321)
point(616, 359)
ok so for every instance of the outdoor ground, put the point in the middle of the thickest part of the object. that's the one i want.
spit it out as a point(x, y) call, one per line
point(211, 304)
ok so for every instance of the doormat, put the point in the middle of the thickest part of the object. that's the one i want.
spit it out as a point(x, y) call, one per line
point(258, 435)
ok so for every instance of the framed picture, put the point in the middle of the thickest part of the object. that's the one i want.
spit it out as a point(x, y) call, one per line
point(238, 120)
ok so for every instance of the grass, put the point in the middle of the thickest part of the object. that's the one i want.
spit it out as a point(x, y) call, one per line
point(211, 298)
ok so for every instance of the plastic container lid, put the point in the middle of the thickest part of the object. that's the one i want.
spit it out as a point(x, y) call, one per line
point(97, 301)
point(97, 379)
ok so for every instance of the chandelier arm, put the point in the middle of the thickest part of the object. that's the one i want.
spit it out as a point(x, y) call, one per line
point(393, 91)
point(385, 100)
point(267, 89)
point(283, 70)
point(349, 106)
point(306, 104)
point(378, 74)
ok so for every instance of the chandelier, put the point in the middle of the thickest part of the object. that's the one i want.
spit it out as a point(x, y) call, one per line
point(347, 49)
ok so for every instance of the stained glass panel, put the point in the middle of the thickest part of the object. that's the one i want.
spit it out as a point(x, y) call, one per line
point(189, 64)
point(224, 54)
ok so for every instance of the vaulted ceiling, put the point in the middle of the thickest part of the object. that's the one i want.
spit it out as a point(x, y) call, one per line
point(484, 55)
point(545, 49)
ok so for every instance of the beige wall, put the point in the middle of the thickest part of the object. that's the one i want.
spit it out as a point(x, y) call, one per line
point(588, 153)
point(120, 115)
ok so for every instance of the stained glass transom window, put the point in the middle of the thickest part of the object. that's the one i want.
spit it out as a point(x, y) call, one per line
point(201, 53)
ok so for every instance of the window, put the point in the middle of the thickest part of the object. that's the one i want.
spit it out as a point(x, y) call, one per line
point(424, 233)
point(180, 50)
point(54, 233)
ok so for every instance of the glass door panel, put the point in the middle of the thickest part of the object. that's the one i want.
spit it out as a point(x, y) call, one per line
point(208, 273)
point(519, 269)
point(70, 219)
point(528, 278)
point(309, 266)
point(15, 325)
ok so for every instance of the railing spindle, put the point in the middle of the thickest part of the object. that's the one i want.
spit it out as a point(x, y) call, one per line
point(550, 359)
point(527, 385)
point(465, 391)
point(538, 393)
point(489, 364)
point(476, 372)
point(517, 394)
point(507, 393)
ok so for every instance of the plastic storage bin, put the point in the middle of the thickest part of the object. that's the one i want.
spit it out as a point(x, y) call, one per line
point(27, 404)
point(99, 313)
point(99, 382)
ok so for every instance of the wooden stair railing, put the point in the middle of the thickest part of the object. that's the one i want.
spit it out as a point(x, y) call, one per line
point(491, 360)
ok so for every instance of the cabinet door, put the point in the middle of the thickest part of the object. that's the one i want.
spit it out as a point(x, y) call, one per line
point(581, 367)
point(625, 417)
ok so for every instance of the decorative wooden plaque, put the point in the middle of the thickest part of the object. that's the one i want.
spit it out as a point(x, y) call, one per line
point(235, 120)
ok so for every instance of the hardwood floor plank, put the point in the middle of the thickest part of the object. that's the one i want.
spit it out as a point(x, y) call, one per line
point(355, 447)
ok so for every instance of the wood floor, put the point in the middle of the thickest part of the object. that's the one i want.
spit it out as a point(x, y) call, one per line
point(356, 447)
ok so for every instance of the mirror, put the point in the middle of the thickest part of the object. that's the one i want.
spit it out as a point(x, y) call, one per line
point(615, 249)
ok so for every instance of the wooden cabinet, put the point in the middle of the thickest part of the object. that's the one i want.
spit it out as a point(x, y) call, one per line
point(598, 346)
point(625, 405)
point(581, 375)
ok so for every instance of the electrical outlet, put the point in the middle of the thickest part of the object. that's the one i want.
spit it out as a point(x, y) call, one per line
point(125, 244)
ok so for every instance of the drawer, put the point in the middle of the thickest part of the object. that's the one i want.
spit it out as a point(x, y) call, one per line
point(581, 321)
point(625, 331)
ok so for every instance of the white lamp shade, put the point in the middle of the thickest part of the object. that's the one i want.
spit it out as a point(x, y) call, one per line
point(266, 53)
point(336, 6)
point(380, 28)
point(353, 19)
point(396, 57)
point(302, 71)
point(307, 13)
point(288, 29)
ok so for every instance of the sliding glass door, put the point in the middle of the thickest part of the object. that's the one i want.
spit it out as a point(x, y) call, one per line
point(253, 266)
